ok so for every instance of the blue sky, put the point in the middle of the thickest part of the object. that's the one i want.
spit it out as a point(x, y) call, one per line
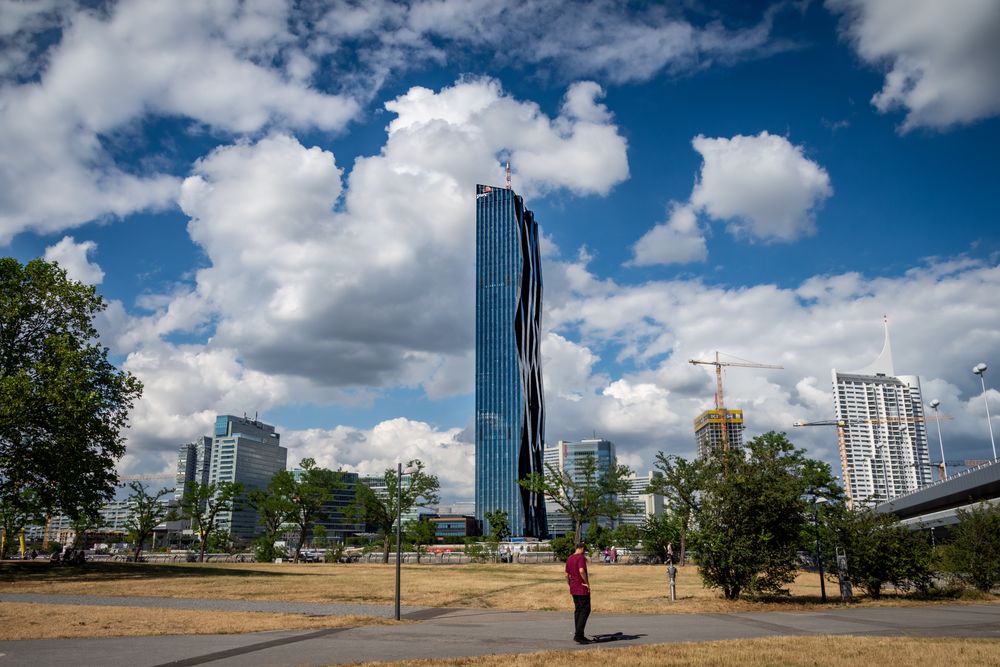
point(277, 200)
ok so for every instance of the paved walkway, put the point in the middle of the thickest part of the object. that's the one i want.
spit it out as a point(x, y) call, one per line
point(444, 633)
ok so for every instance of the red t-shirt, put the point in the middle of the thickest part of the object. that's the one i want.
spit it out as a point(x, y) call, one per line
point(574, 564)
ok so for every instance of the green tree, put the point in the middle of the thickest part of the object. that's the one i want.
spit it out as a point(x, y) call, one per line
point(972, 556)
point(499, 524)
point(85, 522)
point(421, 533)
point(499, 527)
point(881, 551)
point(202, 503)
point(680, 483)
point(587, 494)
point(273, 509)
point(307, 494)
point(15, 513)
point(658, 532)
point(319, 535)
point(63, 405)
point(598, 536)
point(752, 515)
point(563, 547)
point(626, 536)
point(418, 489)
point(221, 541)
point(146, 512)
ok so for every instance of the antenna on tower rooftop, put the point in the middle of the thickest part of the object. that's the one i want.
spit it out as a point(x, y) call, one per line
point(508, 174)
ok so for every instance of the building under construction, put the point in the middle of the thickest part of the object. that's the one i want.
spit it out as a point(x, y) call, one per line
point(708, 431)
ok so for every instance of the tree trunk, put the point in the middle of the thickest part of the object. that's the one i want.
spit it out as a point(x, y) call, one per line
point(138, 550)
point(385, 549)
point(579, 532)
point(683, 546)
point(204, 543)
point(303, 527)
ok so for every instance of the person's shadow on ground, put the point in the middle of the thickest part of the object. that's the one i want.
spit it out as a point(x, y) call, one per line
point(613, 637)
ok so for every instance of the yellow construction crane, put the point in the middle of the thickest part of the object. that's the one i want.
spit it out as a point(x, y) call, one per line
point(719, 403)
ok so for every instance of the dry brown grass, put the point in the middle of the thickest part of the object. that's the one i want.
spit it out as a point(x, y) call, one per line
point(22, 620)
point(771, 652)
point(617, 588)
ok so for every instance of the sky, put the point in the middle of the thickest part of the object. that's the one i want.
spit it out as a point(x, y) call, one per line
point(277, 201)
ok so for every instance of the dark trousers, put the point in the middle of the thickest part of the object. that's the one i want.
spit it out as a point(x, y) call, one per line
point(580, 614)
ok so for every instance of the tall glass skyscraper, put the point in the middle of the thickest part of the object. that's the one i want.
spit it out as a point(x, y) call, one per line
point(510, 410)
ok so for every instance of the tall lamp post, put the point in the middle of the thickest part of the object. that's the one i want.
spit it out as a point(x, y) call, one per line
point(399, 526)
point(980, 370)
point(399, 529)
point(817, 501)
point(937, 417)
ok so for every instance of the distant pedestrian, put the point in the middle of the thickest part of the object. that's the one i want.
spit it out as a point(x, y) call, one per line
point(670, 552)
point(614, 555)
point(579, 588)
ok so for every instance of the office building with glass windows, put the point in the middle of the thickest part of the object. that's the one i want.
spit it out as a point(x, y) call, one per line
point(193, 462)
point(249, 452)
point(568, 458)
point(510, 411)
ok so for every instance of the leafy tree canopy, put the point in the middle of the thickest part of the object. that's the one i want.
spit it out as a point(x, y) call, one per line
point(202, 503)
point(880, 550)
point(586, 493)
point(753, 513)
point(63, 405)
point(418, 489)
point(146, 512)
point(973, 554)
point(499, 525)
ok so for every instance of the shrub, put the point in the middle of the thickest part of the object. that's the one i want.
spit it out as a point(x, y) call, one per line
point(972, 556)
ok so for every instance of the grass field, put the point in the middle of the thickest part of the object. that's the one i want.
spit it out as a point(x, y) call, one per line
point(20, 620)
point(616, 588)
point(771, 652)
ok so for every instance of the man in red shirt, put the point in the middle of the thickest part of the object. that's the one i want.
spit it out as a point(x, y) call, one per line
point(579, 588)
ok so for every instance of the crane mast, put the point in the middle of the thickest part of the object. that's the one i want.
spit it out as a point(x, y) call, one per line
point(719, 399)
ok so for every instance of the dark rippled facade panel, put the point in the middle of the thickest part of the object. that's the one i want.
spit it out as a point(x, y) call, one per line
point(510, 408)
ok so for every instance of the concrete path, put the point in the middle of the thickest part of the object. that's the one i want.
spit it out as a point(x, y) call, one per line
point(467, 632)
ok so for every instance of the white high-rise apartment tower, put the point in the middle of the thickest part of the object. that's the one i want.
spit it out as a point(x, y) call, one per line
point(883, 452)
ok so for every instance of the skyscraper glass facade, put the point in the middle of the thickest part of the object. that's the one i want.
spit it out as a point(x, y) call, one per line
point(510, 413)
point(249, 452)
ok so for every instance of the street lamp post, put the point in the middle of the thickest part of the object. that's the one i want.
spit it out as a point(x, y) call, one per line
point(399, 525)
point(399, 528)
point(817, 501)
point(980, 370)
point(937, 417)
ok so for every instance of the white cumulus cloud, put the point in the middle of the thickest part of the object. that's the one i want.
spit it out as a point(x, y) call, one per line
point(942, 59)
point(762, 185)
point(74, 257)
point(204, 62)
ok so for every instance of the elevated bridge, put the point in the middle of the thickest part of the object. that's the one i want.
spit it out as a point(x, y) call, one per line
point(936, 505)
